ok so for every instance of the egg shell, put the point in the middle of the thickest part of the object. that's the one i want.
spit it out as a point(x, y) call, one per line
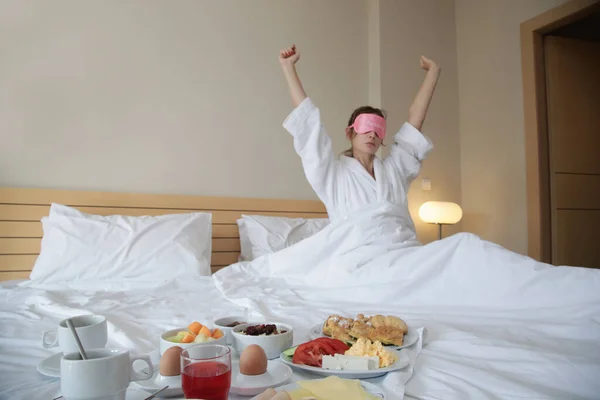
point(170, 364)
point(253, 360)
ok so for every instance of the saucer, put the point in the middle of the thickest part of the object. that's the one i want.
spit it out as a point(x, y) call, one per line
point(158, 382)
point(246, 385)
point(50, 366)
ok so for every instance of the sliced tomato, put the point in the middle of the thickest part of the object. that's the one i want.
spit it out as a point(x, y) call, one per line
point(339, 346)
point(311, 353)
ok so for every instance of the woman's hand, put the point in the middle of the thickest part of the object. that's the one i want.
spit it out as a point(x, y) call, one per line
point(427, 64)
point(289, 56)
point(420, 105)
point(288, 59)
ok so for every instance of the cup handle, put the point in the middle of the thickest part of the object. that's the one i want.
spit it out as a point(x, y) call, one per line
point(140, 376)
point(54, 343)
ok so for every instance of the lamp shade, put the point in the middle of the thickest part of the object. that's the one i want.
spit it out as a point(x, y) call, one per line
point(440, 212)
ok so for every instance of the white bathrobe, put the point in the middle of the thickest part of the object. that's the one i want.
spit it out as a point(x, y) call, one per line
point(344, 185)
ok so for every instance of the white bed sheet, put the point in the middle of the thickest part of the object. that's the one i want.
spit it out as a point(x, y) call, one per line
point(136, 318)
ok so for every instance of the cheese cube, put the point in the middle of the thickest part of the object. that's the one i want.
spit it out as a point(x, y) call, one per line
point(350, 363)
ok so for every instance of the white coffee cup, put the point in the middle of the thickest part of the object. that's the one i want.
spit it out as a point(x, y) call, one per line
point(105, 375)
point(91, 329)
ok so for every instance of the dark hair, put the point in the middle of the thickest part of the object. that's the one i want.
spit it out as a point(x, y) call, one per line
point(361, 110)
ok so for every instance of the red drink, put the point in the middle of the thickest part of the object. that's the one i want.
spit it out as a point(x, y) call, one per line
point(206, 380)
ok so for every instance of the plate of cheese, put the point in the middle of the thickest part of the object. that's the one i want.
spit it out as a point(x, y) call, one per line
point(333, 388)
point(363, 360)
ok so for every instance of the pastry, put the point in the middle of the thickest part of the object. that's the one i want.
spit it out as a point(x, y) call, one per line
point(396, 322)
point(387, 335)
point(338, 327)
point(388, 329)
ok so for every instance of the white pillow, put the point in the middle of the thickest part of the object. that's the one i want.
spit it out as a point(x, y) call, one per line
point(84, 247)
point(261, 234)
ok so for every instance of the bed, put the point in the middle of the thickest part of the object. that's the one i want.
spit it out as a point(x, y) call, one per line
point(492, 324)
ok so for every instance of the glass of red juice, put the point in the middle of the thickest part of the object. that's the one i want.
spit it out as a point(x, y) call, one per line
point(206, 372)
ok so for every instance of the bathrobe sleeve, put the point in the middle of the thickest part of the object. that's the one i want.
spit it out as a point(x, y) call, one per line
point(313, 145)
point(408, 151)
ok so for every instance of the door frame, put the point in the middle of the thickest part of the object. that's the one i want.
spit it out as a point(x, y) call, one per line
point(534, 108)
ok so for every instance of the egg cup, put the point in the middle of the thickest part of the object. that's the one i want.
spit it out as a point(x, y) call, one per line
point(277, 374)
point(171, 381)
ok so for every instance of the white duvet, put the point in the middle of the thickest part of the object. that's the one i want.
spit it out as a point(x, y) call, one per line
point(498, 325)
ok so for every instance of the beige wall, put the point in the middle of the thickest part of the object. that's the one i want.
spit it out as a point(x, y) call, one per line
point(491, 117)
point(409, 29)
point(179, 96)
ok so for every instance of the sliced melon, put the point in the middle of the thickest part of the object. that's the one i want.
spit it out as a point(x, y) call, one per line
point(205, 331)
point(202, 339)
point(177, 338)
point(217, 334)
point(195, 327)
point(188, 338)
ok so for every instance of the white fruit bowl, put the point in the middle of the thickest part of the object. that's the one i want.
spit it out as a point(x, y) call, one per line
point(165, 344)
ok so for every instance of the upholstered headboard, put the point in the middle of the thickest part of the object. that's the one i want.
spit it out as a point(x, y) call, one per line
point(22, 209)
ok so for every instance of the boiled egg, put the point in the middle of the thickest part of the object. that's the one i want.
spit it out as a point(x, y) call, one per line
point(253, 360)
point(170, 362)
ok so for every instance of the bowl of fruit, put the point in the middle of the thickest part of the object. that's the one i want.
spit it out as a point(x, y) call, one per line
point(193, 335)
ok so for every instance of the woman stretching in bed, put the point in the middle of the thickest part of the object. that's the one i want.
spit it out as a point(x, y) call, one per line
point(359, 178)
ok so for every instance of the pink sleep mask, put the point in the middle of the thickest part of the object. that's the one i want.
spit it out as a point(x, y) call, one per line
point(369, 123)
